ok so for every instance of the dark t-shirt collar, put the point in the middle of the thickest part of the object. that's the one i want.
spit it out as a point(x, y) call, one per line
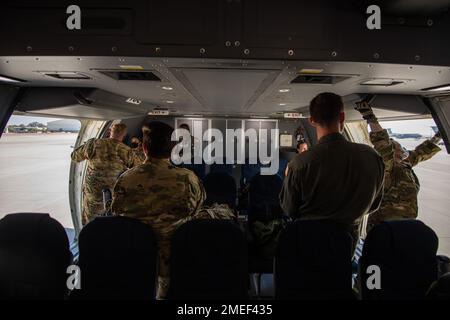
point(331, 137)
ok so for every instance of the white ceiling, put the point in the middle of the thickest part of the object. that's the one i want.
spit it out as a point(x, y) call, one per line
point(220, 86)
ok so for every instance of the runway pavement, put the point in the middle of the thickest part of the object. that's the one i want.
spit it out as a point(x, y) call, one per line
point(34, 175)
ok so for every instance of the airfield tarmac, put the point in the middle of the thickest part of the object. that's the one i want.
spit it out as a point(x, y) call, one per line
point(34, 175)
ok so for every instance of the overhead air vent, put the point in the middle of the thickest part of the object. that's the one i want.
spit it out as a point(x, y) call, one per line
point(133, 75)
point(382, 82)
point(66, 75)
point(318, 79)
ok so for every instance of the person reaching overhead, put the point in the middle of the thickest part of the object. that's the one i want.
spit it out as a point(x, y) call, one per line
point(401, 185)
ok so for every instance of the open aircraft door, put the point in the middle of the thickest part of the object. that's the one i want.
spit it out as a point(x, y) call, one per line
point(89, 129)
point(94, 108)
point(440, 109)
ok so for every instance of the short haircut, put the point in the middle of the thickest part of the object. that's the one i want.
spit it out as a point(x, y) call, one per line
point(185, 126)
point(157, 140)
point(325, 108)
point(118, 129)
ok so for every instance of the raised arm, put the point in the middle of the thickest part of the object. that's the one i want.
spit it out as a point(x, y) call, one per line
point(378, 136)
point(84, 152)
point(425, 150)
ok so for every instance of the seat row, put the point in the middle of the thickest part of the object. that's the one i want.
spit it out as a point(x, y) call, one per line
point(209, 260)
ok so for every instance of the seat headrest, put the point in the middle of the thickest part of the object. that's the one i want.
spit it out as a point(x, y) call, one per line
point(128, 232)
point(402, 240)
point(203, 249)
point(31, 232)
point(205, 236)
point(34, 256)
point(330, 240)
point(313, 261)
point(117, 259)
point(220, 188)
point(440, 290)
point(201, 229)
point(224, 168)
point(265, 188)
point(263, 196)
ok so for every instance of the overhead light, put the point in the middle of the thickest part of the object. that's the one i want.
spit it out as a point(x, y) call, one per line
point(310, 71)
point(284, 90)
point(444, 87)
point(170, 101)
point(9, 79)
point(282, 104)
point(131, 67)
point(167, 88)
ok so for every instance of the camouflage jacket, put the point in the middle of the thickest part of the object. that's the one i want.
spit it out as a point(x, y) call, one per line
point(214, 211)
point(266, 235)
point(138, 156)
point(401, 185)
point(107, 160)
point(159, 194)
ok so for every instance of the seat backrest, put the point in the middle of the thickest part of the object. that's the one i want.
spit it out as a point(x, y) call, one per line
point(405, 252)
point(220, 188)
point(34, 256)
point(313, 261)
point(225, 168)
point(440, 290)
point(198, 169)
point(117, 259)
point(264, 203)
point(208, 261)
point(248, 171)
point(443, 263)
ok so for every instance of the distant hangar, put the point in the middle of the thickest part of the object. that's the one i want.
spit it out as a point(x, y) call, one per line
point(64, 126)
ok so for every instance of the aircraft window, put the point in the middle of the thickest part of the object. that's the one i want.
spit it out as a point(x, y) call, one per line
point(433, 175)
point(34, 166)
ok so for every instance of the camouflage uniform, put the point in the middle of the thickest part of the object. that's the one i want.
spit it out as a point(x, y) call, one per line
point(160, 195)
point(401, 185)
point(138, 156)
point(215, 211)
point(266, 235)
point(107, 159)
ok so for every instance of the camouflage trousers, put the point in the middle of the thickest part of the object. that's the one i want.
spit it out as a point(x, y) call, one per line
point(92, 207)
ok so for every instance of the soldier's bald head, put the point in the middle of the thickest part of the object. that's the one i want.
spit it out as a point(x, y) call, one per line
point(157, 140)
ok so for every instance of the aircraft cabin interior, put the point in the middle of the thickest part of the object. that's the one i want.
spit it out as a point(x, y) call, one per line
point(221, 64)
